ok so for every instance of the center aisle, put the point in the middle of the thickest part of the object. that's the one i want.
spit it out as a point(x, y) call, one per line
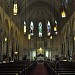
point(39, 70)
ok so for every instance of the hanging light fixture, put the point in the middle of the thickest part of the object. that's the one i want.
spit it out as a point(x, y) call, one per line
point(63, 11)
point(15, 8)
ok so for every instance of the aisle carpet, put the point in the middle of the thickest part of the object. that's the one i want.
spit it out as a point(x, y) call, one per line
point(39, 70)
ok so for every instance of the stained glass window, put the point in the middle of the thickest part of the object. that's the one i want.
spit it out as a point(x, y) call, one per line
point(48, 29)
point(31, 28)
point(40, 29)
point(67, 1)
point(55, 22)
point(55, 26)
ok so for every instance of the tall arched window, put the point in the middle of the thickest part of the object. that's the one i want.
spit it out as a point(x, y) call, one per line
point(40, 29)
point(31, 28)
point(24, 27)
point(48, 29)
point(55, 28)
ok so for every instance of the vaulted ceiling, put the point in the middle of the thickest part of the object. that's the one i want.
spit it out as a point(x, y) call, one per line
point(40, 10)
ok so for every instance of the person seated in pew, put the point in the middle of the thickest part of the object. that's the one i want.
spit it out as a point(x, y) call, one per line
point(57, 63)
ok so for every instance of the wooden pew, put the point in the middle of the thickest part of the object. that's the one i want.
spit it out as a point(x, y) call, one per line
point(63, 71)
point(12, 68)
point(18, 70)
point(9, 74)
point(66, 68)
point(21, 68)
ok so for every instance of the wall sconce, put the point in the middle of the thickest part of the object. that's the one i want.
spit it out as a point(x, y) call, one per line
point(16, 53)
point(56, 32)
point(51, 37)
point(29, 36)
point(5, 39)
point(74, 38)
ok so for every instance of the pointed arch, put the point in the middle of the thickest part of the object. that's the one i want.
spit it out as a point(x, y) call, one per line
point(6, 25)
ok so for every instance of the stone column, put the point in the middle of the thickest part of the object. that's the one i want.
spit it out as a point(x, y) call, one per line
point(0, 49)
point(10, 49)
point(14, 49)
